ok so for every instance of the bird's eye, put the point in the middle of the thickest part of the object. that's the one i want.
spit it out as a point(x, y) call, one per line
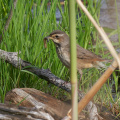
point(56, 36)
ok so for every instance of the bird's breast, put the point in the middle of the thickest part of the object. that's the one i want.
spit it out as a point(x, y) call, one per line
point(64, 56)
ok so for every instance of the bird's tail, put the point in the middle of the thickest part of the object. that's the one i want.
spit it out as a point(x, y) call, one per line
point(100, 65)
point(107, 60)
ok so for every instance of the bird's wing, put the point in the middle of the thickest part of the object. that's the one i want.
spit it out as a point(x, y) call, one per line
point(87, 55)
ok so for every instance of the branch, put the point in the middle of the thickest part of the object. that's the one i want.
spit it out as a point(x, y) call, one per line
point(17, 62)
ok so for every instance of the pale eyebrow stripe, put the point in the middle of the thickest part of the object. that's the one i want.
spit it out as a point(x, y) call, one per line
point(58, 35)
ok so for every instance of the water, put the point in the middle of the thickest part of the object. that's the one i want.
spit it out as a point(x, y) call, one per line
point(108, 16)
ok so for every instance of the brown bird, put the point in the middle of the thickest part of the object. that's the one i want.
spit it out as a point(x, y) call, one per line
point(85, 58)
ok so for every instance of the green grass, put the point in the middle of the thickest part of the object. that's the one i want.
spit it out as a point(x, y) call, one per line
point(26, 32)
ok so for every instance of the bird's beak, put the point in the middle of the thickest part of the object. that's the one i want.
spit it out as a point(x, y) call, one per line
point(46, 39)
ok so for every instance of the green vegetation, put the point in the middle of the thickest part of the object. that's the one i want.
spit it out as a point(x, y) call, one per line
point(73, 60)
point(31, 22)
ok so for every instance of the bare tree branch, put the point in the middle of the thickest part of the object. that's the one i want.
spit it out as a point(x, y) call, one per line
point(17, 62)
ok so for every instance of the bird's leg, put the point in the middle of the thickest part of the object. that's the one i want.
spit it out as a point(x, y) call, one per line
point(81, 73)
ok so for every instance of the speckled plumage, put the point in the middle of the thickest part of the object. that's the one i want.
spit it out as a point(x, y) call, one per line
point(85, 58)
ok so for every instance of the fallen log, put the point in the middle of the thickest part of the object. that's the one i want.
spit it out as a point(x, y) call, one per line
point(24, 102)
point(30, 97)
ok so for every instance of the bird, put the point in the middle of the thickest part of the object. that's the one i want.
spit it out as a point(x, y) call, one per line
point(85, 58)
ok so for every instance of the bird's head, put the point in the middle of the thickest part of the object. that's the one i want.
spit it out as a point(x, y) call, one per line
point(59, 37)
